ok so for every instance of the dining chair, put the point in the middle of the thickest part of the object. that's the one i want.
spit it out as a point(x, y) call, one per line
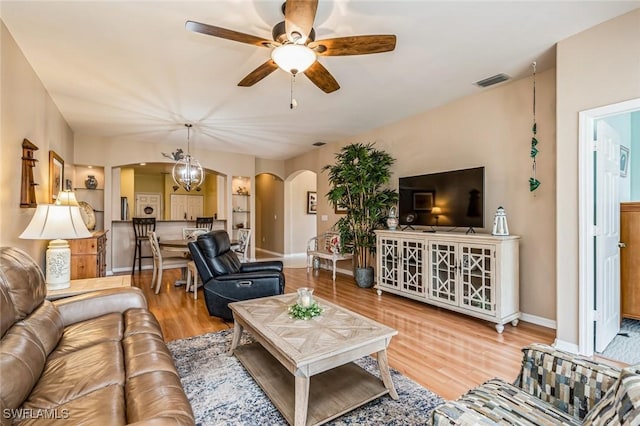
point(192, 233)
point(163, 261)
point(142, 226)
point(204, 222)
point(242, 247)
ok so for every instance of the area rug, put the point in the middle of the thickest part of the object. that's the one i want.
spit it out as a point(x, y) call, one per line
point(221, 392)
point(625, 346)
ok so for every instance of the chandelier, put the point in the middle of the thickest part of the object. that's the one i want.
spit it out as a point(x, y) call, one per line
point(187, 172)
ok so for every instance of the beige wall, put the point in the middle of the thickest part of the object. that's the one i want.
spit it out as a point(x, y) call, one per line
point(27, 111)
point(269, 227)
point(490, 129)
point(597, 67)
point(303, 225)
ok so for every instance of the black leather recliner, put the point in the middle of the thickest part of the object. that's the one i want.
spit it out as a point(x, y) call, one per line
point(228, 280)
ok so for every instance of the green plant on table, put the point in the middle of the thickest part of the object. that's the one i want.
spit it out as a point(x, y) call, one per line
point(298, 312)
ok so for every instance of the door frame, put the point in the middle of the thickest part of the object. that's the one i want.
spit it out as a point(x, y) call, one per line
point(586, 200)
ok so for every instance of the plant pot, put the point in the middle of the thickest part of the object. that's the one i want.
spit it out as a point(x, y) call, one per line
point(364, 277)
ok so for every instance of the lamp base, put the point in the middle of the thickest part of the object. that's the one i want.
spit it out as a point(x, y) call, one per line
point(58, 267)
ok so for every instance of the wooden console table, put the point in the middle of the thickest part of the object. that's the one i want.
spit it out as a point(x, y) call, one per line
point(90, 284)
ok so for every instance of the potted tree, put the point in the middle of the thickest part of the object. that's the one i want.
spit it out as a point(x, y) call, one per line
point(358, 179)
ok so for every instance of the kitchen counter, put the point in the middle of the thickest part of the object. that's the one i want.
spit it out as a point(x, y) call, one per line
point(122, 240)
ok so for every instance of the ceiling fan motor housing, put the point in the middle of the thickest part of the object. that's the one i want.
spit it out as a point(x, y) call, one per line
point(279, 34)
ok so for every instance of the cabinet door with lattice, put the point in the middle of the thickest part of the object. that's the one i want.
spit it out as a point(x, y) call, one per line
point(477, 281)
point(388, 262)
point(412, 268)
point(442, 273)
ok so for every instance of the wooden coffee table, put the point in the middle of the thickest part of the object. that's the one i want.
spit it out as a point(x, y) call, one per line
point(288, 353)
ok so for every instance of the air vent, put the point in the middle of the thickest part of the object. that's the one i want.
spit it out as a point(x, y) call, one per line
point(319, 143)
point(498, 78)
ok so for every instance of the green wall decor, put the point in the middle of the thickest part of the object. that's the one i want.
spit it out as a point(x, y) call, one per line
point(533, 182)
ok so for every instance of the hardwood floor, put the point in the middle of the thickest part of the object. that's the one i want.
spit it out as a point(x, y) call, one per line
point(446, 352)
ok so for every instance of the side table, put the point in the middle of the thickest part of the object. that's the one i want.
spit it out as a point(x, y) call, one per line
point(87, 285)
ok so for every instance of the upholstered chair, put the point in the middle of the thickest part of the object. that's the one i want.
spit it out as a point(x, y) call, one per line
point(226, 279)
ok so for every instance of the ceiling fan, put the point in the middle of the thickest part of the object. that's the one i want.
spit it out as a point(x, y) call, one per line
point(294, 46)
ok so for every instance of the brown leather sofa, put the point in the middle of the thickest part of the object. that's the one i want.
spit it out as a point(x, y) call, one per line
point(97, 358)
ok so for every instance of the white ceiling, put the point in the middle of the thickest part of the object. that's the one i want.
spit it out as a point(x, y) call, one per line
point(129, 69)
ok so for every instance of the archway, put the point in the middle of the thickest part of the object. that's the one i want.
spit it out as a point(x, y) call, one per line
point(299, 223)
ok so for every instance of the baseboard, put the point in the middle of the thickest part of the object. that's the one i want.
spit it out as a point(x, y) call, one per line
point(566, 346)
point(533, 319)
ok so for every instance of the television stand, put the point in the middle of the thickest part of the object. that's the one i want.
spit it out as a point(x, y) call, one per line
point(485, 284)
point(470, 230)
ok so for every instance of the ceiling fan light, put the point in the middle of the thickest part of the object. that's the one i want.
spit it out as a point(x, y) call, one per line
point(292, 57)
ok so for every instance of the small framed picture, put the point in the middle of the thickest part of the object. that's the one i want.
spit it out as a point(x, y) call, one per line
point(422, 201)
point(67, 184)
point(56, 175)
point(312, 202)
point(624, 160)
point(340, 209)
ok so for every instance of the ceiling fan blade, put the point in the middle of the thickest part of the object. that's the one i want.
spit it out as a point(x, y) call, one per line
point(259, 73)
point(354, 45)
point(298, 18)
point(322, 78)
point(211, 30)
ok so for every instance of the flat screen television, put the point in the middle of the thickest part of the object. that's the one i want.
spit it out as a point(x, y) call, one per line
point(459, 195)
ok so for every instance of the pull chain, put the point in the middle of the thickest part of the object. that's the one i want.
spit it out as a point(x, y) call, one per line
point(292, 103)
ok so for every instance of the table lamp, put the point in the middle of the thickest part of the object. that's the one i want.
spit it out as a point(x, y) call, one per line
point(57, 222)
point(436, 212)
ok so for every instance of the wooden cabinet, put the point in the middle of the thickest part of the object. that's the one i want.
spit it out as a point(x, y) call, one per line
point(630, 260)
point(473, 274)
point(88, 256)
point(402, 265)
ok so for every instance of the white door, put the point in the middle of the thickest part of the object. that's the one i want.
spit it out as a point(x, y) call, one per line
point(607, 252)
point(195, 206)
point(178, 207)
point(148, 205)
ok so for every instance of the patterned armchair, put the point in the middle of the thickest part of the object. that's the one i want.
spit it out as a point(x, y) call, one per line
point(553, 388)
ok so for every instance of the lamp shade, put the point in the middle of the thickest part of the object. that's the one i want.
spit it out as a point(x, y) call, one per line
point(436, 210)
point(52, 222)
point(293, 58)
point(66, 198)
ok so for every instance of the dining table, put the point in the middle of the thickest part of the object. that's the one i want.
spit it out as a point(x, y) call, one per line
point(179, 245)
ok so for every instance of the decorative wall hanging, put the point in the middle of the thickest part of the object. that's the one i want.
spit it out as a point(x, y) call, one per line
point(312, 202)
point(56, 175)
point(624, 160)
point(28, 186)
point(534, 183)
